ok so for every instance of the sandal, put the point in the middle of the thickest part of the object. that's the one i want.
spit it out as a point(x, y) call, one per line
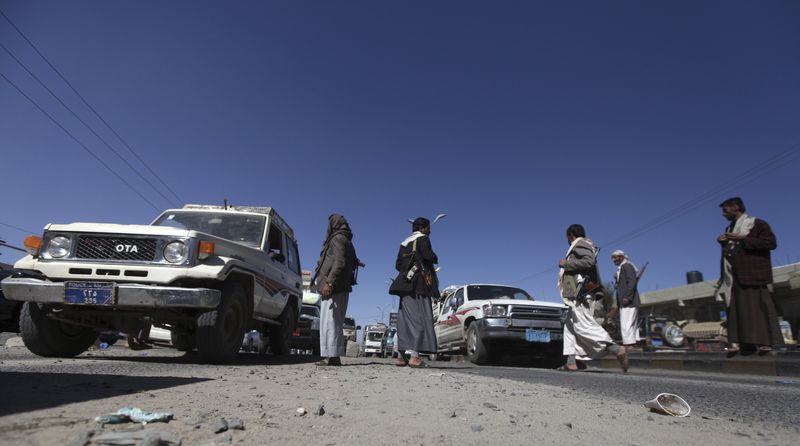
point(418, 364)
point(401, 362)
point(565, 368)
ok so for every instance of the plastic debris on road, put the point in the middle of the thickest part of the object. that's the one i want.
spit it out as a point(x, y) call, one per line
point(669, 404)
point(134, 414)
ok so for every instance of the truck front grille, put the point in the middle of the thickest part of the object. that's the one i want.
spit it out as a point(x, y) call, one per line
point(528, 312)
point(116, 248)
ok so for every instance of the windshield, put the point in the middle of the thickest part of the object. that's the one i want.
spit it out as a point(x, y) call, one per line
point(309, 310)
point(486, 292)
point(374, 336)
point(241, 228)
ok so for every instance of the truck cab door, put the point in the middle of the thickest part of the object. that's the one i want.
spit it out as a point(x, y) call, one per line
point(272, 292)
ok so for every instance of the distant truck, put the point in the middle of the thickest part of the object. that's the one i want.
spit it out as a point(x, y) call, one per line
point(375, 339)
point(350, 330)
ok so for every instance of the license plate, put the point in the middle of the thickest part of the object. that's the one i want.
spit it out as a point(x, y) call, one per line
point(532, 335)
point(657, 342)
point(89, 293)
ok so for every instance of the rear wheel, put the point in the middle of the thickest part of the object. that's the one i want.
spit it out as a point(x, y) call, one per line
point(184, 342)
point(477, 351)
point(279, 335)
point(220, 331)
point(48, 337)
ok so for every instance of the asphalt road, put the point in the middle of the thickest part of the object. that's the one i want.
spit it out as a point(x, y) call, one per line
point(744, 398)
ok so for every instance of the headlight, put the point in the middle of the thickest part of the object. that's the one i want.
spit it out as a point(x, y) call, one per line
point(673, 335)
point(59, 246)
point(495, 310)
point(176, 252)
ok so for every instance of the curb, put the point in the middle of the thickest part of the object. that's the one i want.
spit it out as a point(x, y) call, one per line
point(772, 364)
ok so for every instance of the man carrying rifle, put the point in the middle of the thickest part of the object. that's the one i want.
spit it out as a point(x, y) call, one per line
point(625, 281)
point(579, 284)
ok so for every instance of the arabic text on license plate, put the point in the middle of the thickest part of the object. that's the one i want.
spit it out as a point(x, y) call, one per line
point(532, 335)
point(89, 293)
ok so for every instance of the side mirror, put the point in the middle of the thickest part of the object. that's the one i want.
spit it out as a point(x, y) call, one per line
point(358, 327)
point(276, 256)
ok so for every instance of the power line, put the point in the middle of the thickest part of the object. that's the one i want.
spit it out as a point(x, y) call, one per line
point(99, 160)
point(85, 124)
point(776, 162)
point(85, 102)
point(17, 228)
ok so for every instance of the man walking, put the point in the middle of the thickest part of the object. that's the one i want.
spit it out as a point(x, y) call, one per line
point(746, 273)
point(334, 277)
point(625, 281)
point(579, 283)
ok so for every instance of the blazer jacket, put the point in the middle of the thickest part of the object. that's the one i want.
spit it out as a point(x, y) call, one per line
point(626, 286)
point(338, 265)
point(425, 261)
point(752, 262)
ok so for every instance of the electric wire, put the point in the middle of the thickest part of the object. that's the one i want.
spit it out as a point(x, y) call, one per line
point(85, 124)
point(87, 149)
point(85, 102)
point(17, 228)
point(775, 162)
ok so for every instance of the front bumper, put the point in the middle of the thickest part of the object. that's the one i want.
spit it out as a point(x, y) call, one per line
point(513, 330)
point(125, 294)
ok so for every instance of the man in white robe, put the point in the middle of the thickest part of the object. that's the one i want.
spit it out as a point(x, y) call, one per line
point(625, 281)
point(579, 284)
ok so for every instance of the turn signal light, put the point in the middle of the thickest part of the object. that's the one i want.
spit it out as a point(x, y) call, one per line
point(205, 250)
point(33, 244)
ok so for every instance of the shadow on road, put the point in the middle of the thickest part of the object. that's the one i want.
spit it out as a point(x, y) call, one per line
point(25, 392)
point(157, 356)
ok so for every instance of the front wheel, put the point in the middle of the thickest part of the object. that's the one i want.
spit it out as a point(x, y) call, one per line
point(220, 331)
point(48, 337)
point(477, 351)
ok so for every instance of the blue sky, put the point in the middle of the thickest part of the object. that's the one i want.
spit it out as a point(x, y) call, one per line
point(514, 118)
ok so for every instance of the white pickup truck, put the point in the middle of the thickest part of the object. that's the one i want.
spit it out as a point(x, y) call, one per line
point(206, 273)
point(488, 321)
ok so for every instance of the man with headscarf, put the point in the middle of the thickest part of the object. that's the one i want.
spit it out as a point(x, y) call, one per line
point(746, 274)
point(334, 278)
point(416, 259)
point(625, 282)
point(579, 284)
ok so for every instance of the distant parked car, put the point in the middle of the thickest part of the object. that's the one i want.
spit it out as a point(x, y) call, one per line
point(488, 321)
point(306, 335)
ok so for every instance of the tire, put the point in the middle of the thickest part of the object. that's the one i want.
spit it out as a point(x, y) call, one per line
point(220, 331)
point(50, 338)
point(279, 336)
point(477, 351)
point(183, 342)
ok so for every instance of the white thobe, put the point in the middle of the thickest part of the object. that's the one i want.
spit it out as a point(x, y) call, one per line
point(629, 325)
point(583, 336)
